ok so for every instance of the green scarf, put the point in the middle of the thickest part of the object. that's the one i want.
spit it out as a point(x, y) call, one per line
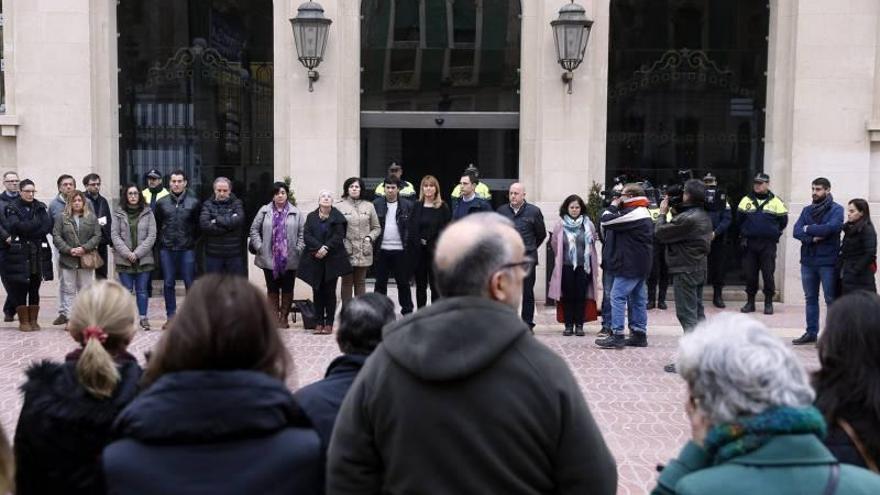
point(729, 440)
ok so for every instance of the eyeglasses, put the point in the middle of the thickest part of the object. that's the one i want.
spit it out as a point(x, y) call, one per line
point(527, 265)
point(133, 193)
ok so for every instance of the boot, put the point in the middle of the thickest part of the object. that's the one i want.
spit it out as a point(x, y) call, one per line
point(286, 302)
point(274, 304)
point(569, 331)
point(768, 307)
point(661, 300)
point(614, 341)
point(34, 312)
point(24, 319)
point(652, 303)
point(637, 339)
point(579, 331)
point(749, 306)
point(717, 300)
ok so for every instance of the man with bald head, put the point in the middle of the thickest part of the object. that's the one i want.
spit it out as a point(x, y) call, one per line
point(464, 385)
point(529, 222)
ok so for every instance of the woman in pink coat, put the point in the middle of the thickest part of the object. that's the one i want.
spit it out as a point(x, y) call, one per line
point(576, 267)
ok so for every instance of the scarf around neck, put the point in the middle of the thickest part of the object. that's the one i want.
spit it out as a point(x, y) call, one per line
point(636, 201)
point(279, 239)
point(747, 434)
point(573, 229)
point(821, 208)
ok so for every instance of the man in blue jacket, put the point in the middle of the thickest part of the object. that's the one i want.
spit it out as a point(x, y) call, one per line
point(818, 229)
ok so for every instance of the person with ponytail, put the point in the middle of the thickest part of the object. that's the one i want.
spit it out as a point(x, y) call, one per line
point(69, 407)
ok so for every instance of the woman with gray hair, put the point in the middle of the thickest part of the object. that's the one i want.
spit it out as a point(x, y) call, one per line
point(753, 426)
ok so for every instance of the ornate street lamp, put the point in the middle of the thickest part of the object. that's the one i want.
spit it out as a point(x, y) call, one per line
point(571, 31)
point(310, 30)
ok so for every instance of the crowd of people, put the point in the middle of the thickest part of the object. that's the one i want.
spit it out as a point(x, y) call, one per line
point(458, 397)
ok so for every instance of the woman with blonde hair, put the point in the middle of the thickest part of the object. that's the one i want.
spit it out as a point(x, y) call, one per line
point(428, 218)
point(76, 235)
point(69, 407)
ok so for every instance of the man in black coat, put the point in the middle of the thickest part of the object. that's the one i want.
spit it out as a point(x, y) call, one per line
point(529, 222)
point(360, 331)
point(222, 223)
point(393, 252)
point(461, 398)
point(177, 218)
point(10, 194)
point(101, 208)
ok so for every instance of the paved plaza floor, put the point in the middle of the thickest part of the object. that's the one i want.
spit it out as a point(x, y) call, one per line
point(638, 406)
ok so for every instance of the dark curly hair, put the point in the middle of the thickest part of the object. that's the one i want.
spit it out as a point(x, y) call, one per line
point(563, 210)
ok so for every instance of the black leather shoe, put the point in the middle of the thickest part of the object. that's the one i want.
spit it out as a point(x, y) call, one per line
point(748, 307)
point(604, 332)
point(806, 338)
point(615, 341)
point(661, 304)
point(652, 304)
point(637, 339)
point(579, 331)
point(768, 307)
point(8, 317)
point(568, 331)
point(717, 300)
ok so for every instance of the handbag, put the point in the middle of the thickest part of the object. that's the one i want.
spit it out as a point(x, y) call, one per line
point(591, 311)
point(91, 260)
point(307, 310)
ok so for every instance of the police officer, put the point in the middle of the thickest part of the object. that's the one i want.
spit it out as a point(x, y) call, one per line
point(719, 211)
point(762, 218)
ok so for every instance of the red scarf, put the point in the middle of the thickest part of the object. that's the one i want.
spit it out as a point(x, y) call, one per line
point(636, 202)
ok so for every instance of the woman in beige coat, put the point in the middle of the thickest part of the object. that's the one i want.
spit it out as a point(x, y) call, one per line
point(363, 227)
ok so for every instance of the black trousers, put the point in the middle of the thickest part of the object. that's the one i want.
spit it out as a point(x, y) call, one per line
point(283, 284)
point(101, 273)
point(325, 301)
point(528, 294)
point(26, 294)
point(658, 280)
point(715, 276)
point(760, 255)
point(396, 264)
point(424, 275)
point(574, 294)
point(9, 304)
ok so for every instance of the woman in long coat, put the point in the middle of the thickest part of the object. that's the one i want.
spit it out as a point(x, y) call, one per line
point(858, 251)
point(324, 259)
point(576, 267)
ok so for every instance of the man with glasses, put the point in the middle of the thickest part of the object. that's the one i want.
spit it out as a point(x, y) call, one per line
point(529, 222)
point(101, 209)
point(66, 184)
point(10, 194)
point(514, 400)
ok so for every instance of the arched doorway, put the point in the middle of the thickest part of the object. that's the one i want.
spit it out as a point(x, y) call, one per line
point(687, 87)
point(195, 93)
point(440, 89)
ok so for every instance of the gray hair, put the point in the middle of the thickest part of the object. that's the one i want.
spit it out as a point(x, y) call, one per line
point(469, 273)
point(735, 367)
point(222, 179)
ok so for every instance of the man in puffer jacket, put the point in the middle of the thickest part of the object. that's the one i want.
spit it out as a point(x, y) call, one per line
point(818, 228)
point(222, 223)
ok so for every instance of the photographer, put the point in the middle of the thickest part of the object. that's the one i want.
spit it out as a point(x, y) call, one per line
point(687, 237)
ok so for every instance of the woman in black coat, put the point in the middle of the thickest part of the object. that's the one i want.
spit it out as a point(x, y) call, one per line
point(324, 259)
point(429, 217)
point(858, 252)
point(29, 259)
point(216, 416)
point(69, 407)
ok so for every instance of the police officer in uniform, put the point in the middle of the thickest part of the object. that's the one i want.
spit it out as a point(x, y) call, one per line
point(762, 218)
point(719, 211)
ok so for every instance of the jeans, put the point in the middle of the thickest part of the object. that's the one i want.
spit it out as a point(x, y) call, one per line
point(607, 284)
point(633, 293)
point(688, 291)
point(137, 283)
point(811, 277)
point(396, 264)
point(231, 266)
point(174, 263)
point(528, 295)
point(72, 281)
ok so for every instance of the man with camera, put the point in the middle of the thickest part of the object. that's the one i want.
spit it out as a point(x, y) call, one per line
point(688, 237)
point(719, 212)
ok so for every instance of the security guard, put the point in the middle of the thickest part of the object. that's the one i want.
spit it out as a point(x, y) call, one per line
point(406, 188)
point(719, 211)
point(762, 218)
point(154, 191)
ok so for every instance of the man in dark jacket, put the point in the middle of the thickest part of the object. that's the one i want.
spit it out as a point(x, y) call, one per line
point(818, 228)
point(719, 211)
point(529, 222)
point(394, 255)
point(101, 208)
point(360, 331)
point(762, 218)
point(688, 238)
point(631, 247)
point(10, 194)
point(222, 222)
point(177, 218)
point(469, 202)
point(464, 385)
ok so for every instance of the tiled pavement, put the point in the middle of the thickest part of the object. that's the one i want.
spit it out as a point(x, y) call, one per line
point(639, 408)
